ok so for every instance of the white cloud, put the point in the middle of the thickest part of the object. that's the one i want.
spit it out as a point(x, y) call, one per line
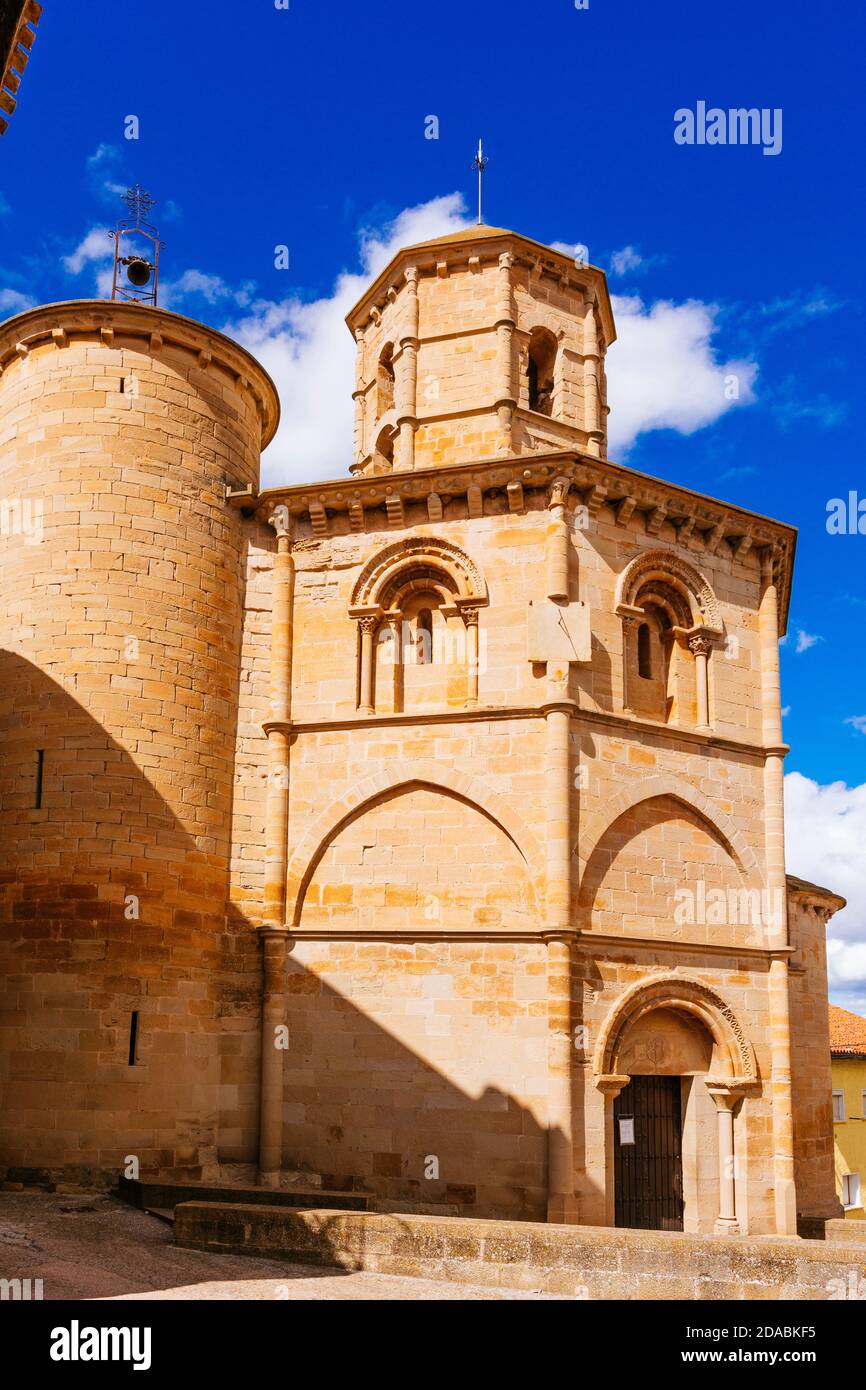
point(786, 710)
point(198, 284)
point(859, 722)
point(805, 640)
point(629, 258)
point(13, 301)
point(825, 836)
point(663, 372)
point(309, 352)
point(577, 250)
point(101, 175)
point(95, 246)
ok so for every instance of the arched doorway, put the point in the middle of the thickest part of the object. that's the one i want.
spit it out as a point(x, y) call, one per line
point(674, 1066)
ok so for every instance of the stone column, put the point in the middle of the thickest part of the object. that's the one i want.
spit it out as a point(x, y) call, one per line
point(399, 628)
point(776, 933)
point(561, 1201)
point(359, 397)
point(610, 1087)
point(700, 648)
point(368, 628)
point(558, 542)
point(629, 628)
point(725, 1099)
point(506, 393)
point(470, 618)
point(562, 1206)
point(273, 930)
point(407, 382)
point(590, 380)
point(273, 1020)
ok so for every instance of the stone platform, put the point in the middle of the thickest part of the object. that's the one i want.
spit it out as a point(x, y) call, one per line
point(573, 1261)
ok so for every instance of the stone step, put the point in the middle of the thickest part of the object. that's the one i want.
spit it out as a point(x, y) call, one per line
point(152, 1194)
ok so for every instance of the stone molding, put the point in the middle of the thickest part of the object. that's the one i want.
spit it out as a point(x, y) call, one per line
point(152, 330)
point(688, 995)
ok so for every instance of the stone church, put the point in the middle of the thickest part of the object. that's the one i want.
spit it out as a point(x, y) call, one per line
point(418, 833)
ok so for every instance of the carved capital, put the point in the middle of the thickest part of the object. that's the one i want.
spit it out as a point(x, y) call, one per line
point(559, 492)
point(280, 519)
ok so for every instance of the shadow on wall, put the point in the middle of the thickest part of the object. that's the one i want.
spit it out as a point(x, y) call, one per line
point(130, 1004)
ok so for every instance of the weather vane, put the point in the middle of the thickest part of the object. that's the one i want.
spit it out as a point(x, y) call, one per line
point(141, 272)
point(480, 162)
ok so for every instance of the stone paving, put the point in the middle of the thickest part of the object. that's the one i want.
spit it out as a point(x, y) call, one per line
point(90, 1246)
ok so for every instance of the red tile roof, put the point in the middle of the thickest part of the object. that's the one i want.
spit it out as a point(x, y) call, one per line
point(847, 1033)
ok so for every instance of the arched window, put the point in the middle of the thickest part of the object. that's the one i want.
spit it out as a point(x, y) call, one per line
point(540, 371)
point(644, 652)
point(385, 380)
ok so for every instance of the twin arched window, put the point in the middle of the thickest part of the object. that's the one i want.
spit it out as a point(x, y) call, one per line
point(670, 620)
point(416, 604)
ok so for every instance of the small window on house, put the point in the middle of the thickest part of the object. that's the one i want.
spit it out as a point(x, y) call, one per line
point(863, 1105)
point(850, 1190)
point(424, 637)
point(838, 1106)
point(644, 652)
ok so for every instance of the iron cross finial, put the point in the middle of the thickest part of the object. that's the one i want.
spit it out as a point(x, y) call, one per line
point(139, 203)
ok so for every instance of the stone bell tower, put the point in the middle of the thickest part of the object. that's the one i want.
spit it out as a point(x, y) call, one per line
point(478, 345)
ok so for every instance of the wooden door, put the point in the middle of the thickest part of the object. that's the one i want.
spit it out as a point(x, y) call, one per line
point(648, 1174)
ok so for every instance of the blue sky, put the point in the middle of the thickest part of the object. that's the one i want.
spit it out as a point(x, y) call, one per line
point(306, 127)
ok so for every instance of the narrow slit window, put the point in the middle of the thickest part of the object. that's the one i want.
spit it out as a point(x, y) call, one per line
point(133, 1036)
point(424, 638)
point(40, 776)
point(644, 652)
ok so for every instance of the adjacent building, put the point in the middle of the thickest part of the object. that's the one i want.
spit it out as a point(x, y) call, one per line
point(848, 1051)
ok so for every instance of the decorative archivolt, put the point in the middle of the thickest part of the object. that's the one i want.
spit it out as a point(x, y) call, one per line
point(438, 563)
point(668, 991)
point(662, 577)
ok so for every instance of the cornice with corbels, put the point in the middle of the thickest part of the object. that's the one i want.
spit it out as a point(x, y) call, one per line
point(114, 324)
point(439, 262)
point(701, 524)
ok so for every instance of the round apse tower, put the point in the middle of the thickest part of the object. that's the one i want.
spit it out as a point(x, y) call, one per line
point(121, 588)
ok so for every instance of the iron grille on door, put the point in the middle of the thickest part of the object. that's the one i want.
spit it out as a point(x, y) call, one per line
point(648, 1174)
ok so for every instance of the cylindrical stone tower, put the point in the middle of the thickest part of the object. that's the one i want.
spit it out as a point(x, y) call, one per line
point(120, 621)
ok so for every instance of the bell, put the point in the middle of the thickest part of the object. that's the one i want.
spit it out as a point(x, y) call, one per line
point(138, 271)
